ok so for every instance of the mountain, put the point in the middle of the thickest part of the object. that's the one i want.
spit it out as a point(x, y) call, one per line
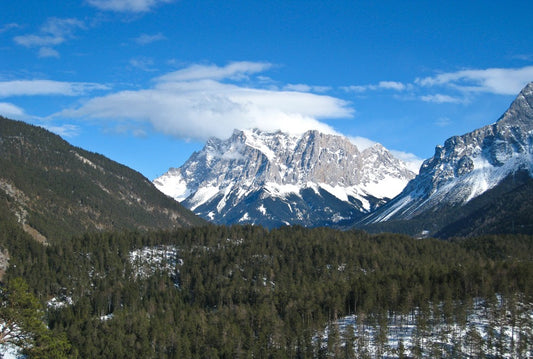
point(459, 189)
point(276, 179)
point(55, 190)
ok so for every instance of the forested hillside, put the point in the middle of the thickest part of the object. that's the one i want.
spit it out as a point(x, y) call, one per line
point(56, 190)
point(233, 292)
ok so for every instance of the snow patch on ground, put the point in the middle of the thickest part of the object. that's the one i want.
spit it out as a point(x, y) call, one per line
point(149, 260)
point(488, 330)
point(10, 352)
point(57, 303)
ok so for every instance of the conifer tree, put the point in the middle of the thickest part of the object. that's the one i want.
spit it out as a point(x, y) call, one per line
point(22, 323)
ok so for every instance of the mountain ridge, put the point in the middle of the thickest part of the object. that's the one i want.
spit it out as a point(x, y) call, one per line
point(467, 166)
point(273, 178)
point(55, 190)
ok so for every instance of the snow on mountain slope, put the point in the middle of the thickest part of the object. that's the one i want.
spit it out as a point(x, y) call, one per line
point(469, 165)
point(276, 178)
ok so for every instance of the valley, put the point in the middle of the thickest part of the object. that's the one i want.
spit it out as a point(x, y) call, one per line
point(112, 267)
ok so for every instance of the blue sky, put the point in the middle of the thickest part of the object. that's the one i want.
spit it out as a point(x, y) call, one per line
point(146, 82)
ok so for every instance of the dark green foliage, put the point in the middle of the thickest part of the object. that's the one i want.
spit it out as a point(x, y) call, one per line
point(60, 190)
point(246, 291)
point(22, 319)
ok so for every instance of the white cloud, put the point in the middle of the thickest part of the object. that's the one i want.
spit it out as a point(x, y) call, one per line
point(354, 88)
point(38, 40)
point(443, 122)
point(66, 130)
point(498, 81)
point(306, 88)
point(523, 57)
point(362, 143)
point(8, 27)
point(391, 85)
point(48, 52)
point(382, 85)
point(440, 98)
point(145, 39)
point(413, 161)
point(145, 64)
point(134, 6)
point(195, 102)
point(47, 87)
point(8, 109)
point(234, 71)
point(55, 31)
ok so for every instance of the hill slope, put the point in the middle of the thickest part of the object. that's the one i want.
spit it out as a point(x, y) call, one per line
point(55, 190)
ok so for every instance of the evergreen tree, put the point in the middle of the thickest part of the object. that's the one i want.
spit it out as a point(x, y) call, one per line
point(22, 323)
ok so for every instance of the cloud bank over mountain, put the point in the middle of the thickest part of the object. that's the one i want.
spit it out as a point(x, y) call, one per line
point(202, 101)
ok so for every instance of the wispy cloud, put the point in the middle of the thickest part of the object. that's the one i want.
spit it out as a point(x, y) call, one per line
point(382, 85)
point(131, 6)
point(145, 39)
point(443, 122)
point(413, 161)
point(354, 88)
point(523, 57)
point(362, 143)
point(201, 101)
point(8, 27)
point(48, 52)
point(392, 85)
point(143, 63)
point(66, 130)
point(498, 81)
point(306, 88)
point(8, 109)
point(233, 71)
point(55, 31)
point(47, 87)
point(440, 98)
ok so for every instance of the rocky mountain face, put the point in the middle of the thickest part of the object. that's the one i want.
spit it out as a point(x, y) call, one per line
point(54, 190)
point(469, 166)
point(275, 179)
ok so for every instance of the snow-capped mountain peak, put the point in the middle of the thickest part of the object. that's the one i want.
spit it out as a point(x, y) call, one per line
point(469, 165)
point(275, 178)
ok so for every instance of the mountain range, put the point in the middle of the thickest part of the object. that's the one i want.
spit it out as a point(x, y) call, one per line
point(55, 190)
point(274, 179)
point(475, 183)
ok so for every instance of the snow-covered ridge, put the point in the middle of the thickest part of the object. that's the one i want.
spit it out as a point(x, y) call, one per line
point(274, 166)
point(469, 165)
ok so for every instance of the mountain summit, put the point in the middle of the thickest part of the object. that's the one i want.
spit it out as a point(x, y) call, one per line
point(469, 166)
point(275, 179)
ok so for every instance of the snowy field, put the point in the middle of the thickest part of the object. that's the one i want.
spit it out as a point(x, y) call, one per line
point(499, 329)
